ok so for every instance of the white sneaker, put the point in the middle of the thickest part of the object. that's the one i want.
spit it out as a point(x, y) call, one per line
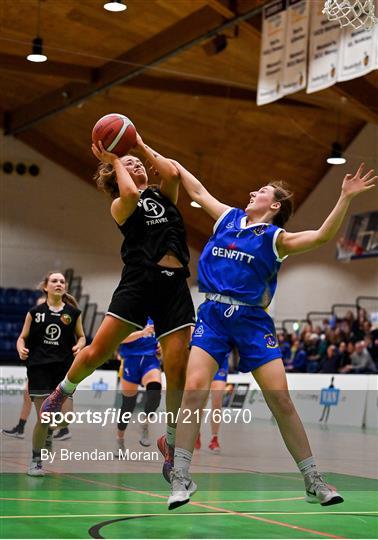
point(182, 488)
point(120, 448)
point(144, 438)
point(317, 491)
point(35, 468)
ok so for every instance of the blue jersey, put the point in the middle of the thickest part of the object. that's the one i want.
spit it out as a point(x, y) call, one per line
point(240, 261)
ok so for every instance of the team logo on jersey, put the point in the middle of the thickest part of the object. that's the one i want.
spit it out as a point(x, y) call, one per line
point(167, 273)
point(198, 332)
point(66, 319)
point(258, 231)
point(53, 332)
point(271, 341)
point(152, 209)
point(222, 373)
point(230, 225)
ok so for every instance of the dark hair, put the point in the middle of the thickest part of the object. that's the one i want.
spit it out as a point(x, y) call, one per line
point(283, 195)
point(106, 179)
point(66, 297)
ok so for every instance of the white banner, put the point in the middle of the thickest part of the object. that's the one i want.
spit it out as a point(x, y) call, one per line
point(269, 87)
point(295, 63)
point(325, 37)
point(357, 53)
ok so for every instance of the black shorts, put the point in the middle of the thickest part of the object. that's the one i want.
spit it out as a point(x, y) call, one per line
point(157, 291)
point(44, 378)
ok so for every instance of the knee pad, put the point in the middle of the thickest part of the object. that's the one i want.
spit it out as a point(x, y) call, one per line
point(128, 405)
point(153, 396)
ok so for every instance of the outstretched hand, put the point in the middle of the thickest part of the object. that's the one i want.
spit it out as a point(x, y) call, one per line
point(358, 183)
point(102, 154)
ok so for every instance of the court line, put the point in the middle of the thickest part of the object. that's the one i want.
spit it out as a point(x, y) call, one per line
point(143, 502)
point(201, 505)
point(192, 514)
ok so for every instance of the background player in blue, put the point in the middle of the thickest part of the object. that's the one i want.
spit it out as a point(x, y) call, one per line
point(217, 388)
point(139, 365)
point(238, 272)
point(51, 337)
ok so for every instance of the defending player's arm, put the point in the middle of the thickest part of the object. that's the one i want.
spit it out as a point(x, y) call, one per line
point(199, 193)
point(125, 204)
point(292, 243)
point(22, 350)
point(80, 336)
point(146, 332)
point(165, 169)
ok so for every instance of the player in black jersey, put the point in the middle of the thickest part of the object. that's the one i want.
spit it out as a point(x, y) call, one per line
point(51, 337)
point(153, 280)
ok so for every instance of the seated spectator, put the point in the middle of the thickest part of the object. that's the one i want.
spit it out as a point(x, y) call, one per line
point(361, 361)
point(298, 362)
point(330, 361)
point(311, 347)
point(285, 347)
point(344, 356)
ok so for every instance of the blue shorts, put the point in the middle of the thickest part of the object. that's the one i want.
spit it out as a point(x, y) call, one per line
point(221, 374)
point(135, 367)
point(220, 327)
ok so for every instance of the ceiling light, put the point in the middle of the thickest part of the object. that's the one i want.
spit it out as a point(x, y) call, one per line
point(37, 51)
point(336, 157)
point(115, 5)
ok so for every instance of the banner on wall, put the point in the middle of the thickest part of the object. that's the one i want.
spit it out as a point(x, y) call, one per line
point(270, 86)
point(295, 62)
point(325, 38)
point(357, 55)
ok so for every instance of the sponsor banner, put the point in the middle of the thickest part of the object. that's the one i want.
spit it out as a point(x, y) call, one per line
point(325, 38)
point(269, 86)
point(99, 387)
point(357, 55)
point(295, 63)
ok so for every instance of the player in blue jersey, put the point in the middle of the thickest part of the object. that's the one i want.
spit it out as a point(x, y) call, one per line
point(217, 388)
point(238, 272)
point(139, 365)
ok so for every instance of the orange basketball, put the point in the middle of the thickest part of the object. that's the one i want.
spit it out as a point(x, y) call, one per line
point(116, 132)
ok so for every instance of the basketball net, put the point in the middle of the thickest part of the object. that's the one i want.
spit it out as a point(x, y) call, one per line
point(356, 13)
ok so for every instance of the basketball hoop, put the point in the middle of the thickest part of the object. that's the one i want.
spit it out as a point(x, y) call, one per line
point(356, 13)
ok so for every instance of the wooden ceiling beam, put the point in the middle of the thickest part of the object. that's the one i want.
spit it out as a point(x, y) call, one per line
point(195, 87)
point(19, 64)
point(151, 52)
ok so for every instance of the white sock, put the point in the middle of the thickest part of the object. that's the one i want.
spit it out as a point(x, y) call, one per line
point(67, 386)
point(183, 459)
point(307, 466)
point(171, 435)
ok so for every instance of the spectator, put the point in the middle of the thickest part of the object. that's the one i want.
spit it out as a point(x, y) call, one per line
point(361, 361)
point(330, 362)
point(311, 347)
point(285, 347)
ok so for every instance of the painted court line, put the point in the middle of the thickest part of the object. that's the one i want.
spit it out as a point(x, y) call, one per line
point(207, 507)
point(188, 514)
point(97, 501)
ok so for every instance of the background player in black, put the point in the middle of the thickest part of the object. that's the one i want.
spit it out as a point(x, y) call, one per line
point(153, 280)
point(50, 338)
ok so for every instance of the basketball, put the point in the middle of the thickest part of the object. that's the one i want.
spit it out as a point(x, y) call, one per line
point(116, 132)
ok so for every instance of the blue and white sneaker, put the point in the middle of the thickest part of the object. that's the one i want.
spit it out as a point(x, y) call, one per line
point(182, 488)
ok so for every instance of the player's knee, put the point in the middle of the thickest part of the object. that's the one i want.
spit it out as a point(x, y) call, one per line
point(94, 356)
point(153, 396)
point(127, 407)
point(174, 372)
point(283, 404)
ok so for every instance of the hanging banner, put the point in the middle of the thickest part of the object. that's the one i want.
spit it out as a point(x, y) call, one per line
point(325, 37)
point(269, 87)
point(357, 53)
point(295, 63)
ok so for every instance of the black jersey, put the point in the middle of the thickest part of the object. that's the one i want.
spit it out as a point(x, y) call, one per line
point(52, 334)
point(154, 227)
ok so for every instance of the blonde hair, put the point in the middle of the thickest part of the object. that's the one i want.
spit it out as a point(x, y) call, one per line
point(106, 179)
point(66, 297)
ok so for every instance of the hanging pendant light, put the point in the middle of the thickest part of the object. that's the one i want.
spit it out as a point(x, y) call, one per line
point(115, 5)
point(37, 48)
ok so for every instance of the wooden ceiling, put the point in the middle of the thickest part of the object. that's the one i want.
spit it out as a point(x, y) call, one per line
point(149, 63)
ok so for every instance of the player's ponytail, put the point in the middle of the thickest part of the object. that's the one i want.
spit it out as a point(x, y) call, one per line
point(283, 195)
point(106, 180)
point(69, 299)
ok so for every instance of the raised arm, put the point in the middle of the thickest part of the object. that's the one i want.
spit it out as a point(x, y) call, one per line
point(165, 169)
point(299, 242)
point(125, 204)
point(199, 193)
